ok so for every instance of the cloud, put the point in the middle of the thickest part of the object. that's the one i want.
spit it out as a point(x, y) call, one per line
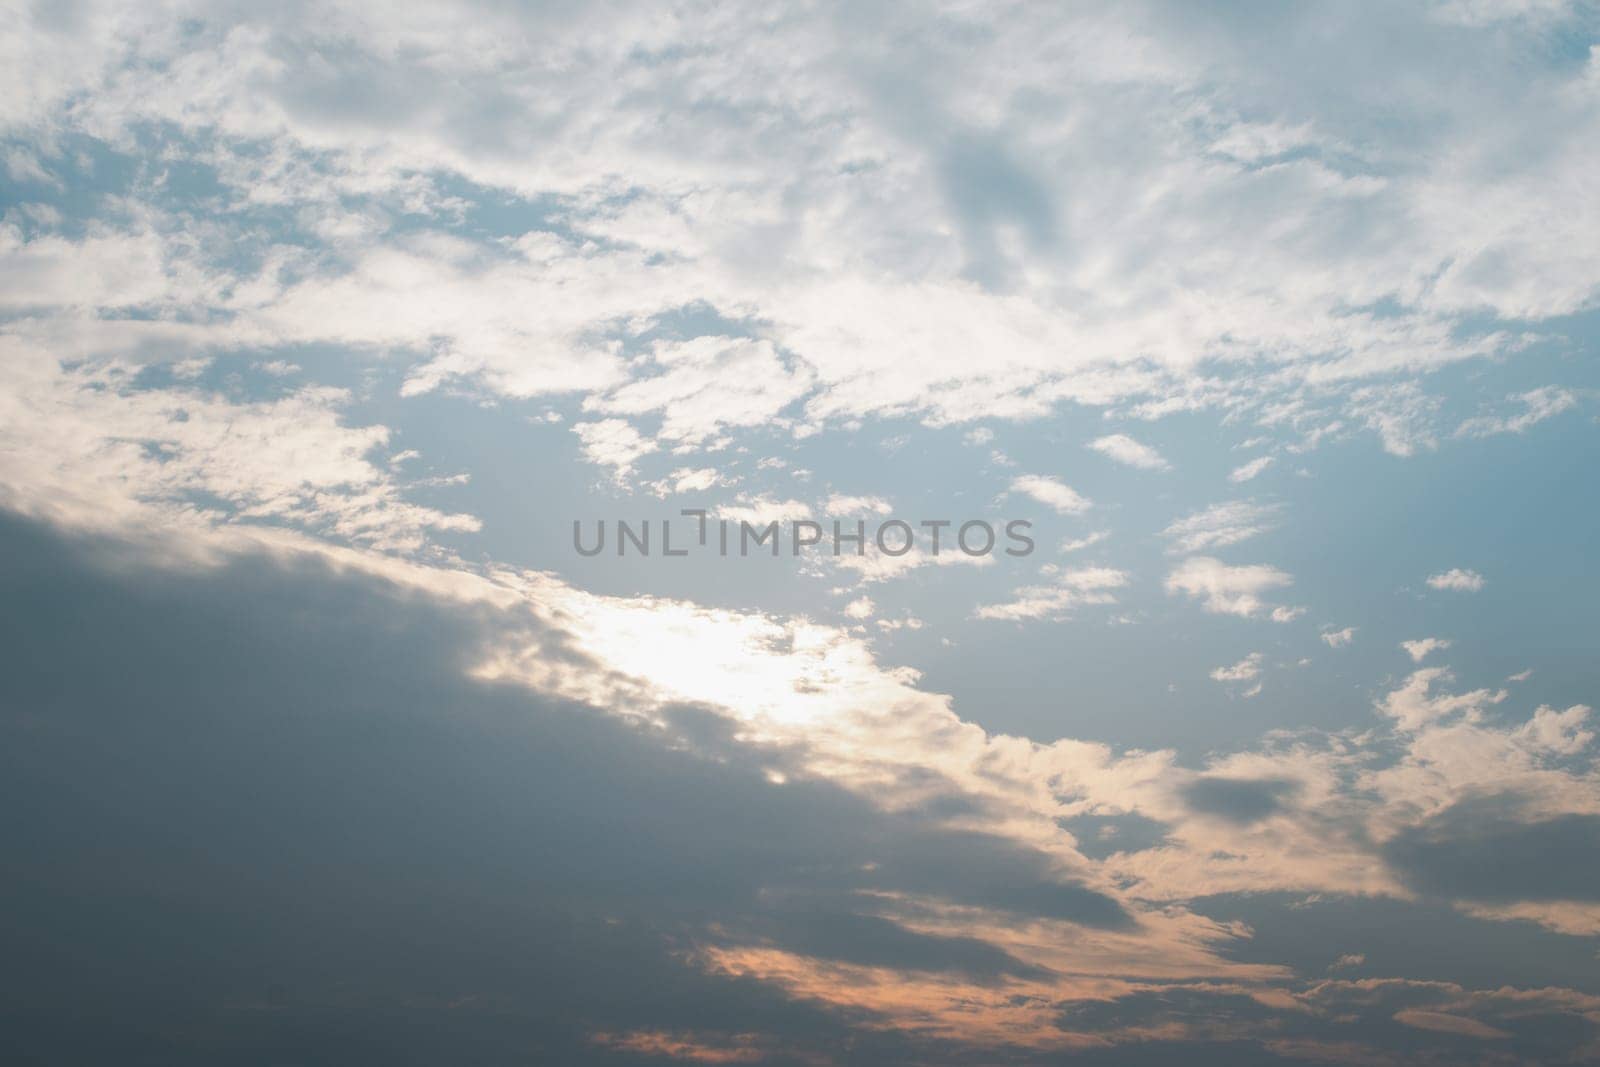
point(1540, 404)
point(612, 443)
point(1051, 492)
point(1078, 544)
point(1249, 470)
point(1339, 638)
point(839, 505)
point(1126, 450)
point(1462, 581)
point(1414, 704)
point(1483, 849)
point(1422, 649)
point(1220, 525)
point(1068, 590)
point(874, 565)
point(705, 386)
point(1224, 589)
point(1239, 800)
point(1449, 1024)
point(1247, 669)
point(798, 706)
point(710, 234)
point(859, 608)
point(690, 480)
point(1402, 416)
point(88, 445)
point(905, 244)
point(763, 509)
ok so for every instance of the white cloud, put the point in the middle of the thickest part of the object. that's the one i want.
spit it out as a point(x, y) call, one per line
point(1414, 704)
point(1462, 581)
point(86, 446)
point(762, 509)
point(1246, 670)
point(1051, 492)
point(1249, 470)
point(876, 310)
point(1402, 416)
point(874, 565)
point(1339, 638)
point(705, 386)
point(1421, 649)
point(1539, 404)
point(689, 480)
point(1227, 590)
point(1219, 526)
point(1069, 590)
point(844, 505)
point(1558, 732)
point(1124, 449)
point(1078, 544)
point(612, 443)
point(859, 608)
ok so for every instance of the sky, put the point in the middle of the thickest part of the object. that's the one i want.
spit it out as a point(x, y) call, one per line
point(323, 328)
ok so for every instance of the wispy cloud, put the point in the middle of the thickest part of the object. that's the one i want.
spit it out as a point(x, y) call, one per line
point(1219, 526)
point(1538, 405)
point(1051, 492)
point(1251, 469)
point(1125, 450)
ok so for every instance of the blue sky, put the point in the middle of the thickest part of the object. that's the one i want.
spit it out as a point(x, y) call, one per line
point(322, 325)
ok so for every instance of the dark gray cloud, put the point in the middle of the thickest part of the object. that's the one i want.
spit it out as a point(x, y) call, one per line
point(1486, 849)
point(259, 814)
point(1239, 800)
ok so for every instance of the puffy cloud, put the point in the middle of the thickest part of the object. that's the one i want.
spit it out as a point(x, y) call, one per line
point(1125, 450)
point(1421, 649)
point(859, 608)
point(1227, 590)
point(851, 258)
point(1414, 704)
point(1051, 492)
point(1246, 670)
point(612, 443)
point(1457, 579)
